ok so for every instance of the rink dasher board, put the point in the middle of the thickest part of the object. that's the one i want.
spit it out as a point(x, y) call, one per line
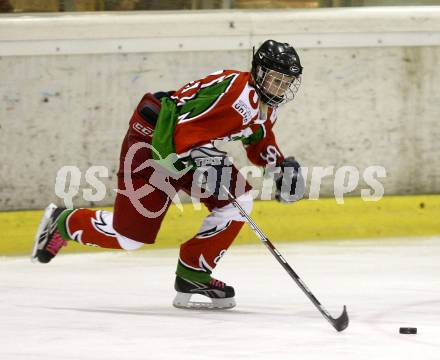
point(307, 220)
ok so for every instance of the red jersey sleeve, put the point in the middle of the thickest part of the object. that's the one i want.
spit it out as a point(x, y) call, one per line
point(266, 150)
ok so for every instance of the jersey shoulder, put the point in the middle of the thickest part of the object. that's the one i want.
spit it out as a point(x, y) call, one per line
point(212, 96)
point(214, 84)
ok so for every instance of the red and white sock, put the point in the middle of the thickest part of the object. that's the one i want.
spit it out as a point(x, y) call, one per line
point(199, 256)
point(95, 228)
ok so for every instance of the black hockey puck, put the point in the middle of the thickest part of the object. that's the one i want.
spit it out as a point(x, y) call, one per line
point(408, 330)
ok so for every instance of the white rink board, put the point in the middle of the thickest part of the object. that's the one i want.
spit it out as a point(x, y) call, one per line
point(117, 305)
point(369, 95)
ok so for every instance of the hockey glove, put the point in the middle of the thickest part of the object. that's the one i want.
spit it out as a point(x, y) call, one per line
point(290, 186)
point(213, 169)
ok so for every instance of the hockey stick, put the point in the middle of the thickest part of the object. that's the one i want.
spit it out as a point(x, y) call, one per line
point(339, 323)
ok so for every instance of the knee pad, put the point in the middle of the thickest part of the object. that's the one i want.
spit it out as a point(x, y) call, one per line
point(230, 212)
point(128, 244)
point(246, 201)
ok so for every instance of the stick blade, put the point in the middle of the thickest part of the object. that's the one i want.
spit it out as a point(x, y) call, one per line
point(341, 323)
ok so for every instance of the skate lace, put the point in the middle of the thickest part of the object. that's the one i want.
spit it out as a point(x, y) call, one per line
point(217, 283)
point(56, 243)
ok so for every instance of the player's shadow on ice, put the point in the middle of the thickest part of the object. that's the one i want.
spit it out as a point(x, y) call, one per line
point(183, 313)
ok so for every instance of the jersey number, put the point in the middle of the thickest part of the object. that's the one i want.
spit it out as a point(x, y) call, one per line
point(271, 155)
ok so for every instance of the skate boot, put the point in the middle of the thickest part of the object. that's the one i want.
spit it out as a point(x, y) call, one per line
point(220, 295)
point(48, 240)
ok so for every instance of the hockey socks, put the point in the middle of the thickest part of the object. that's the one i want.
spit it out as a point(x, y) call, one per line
point(90, 227)
point(95, 228)
point(202, 253)
point(198, 258)
point(85, 226)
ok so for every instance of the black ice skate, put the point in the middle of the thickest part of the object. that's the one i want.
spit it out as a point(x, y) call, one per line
point(221, 295)
point(48, 240)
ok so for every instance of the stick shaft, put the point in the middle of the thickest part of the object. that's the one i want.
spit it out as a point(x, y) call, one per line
point(280, 258)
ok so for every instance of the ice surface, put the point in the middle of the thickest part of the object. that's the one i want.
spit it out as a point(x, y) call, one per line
point(118, 305)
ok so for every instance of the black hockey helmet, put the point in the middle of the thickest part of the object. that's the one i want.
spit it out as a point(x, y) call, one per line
point(276, 70)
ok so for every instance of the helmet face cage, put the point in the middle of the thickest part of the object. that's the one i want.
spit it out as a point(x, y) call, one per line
point(275, 87)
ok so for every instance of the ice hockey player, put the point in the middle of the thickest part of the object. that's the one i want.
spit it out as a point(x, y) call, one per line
point(177, 130)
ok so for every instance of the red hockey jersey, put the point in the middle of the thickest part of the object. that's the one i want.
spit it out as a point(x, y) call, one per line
point(222, 106)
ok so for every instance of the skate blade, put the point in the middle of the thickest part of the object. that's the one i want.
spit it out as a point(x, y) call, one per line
point(43, 224)
point(182, 301)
